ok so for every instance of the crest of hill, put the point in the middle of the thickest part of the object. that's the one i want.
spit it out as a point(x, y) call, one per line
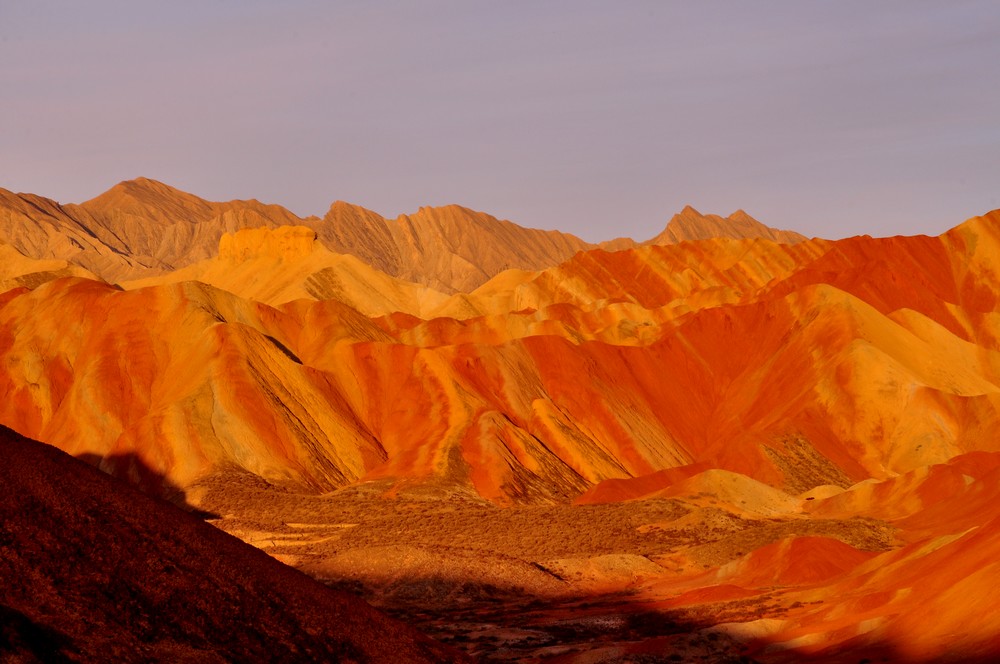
point(136, 229)
point(689, 224)
point(169, 228)
point(95, 570)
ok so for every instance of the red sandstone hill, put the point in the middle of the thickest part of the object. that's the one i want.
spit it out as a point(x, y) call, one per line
point(94, 570)
point(796, 365)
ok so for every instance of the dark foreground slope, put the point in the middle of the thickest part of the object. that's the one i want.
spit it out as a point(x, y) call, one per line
point(93, 570)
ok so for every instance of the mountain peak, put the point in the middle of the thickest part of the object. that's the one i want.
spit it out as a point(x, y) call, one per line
point(144, 195)
point(142, 186)
point(690, 224)
point(450, 211)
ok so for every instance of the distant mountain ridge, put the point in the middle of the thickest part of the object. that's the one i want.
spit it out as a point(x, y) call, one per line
point(143, 228)
point(689, 224)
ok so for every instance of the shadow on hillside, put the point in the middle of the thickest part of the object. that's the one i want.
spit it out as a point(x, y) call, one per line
point(25, 640)
point(494, 625)
point(132, 469)
point(284, 349)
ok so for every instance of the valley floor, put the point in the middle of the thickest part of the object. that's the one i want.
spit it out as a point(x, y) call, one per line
point(646, 581)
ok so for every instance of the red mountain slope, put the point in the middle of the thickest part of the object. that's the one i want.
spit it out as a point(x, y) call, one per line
point(94, 570)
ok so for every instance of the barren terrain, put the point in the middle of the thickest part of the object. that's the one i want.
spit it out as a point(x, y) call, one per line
point(554, 582)
point(725, 442)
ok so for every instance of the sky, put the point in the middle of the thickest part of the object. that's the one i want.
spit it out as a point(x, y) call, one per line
point(601, 119)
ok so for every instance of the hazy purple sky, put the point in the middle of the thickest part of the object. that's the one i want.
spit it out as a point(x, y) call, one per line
point(599, 118)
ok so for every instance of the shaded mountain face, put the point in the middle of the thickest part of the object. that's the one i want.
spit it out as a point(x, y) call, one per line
point(143, 228)
point(94, 570)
